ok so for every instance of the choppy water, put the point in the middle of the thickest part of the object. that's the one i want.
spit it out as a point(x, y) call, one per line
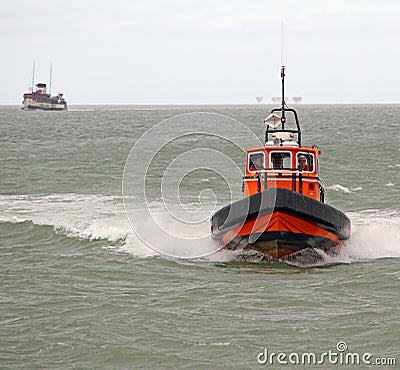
point(80, 289)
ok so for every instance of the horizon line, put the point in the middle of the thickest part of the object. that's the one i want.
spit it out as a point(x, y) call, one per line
point(218, 104)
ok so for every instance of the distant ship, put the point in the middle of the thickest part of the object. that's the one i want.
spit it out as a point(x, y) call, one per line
point(40, 99)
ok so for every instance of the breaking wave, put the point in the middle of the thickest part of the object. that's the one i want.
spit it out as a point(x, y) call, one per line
point(375, 233)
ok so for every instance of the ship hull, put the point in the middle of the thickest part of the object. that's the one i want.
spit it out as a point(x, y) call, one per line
point(44, 106)
point(278, 223)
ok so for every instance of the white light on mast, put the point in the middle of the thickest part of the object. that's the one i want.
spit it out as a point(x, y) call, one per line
point(273, 120)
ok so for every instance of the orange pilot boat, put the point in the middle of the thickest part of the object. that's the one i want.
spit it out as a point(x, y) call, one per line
point(282, 213)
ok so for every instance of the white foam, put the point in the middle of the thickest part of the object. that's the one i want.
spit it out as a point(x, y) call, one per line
point(338, 187)
point(375, 233)
point(88, 216)
point(98, 216)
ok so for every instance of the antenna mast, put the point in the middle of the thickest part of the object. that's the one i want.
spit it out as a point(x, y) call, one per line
point(33, 74)
point(282, 45)
point(51, 68)
point(283, 86)
point(283, 118)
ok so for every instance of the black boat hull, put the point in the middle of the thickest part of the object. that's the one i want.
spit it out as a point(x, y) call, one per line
point(278, 223)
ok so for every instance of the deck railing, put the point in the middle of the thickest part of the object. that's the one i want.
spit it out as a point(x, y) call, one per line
point(268, 178)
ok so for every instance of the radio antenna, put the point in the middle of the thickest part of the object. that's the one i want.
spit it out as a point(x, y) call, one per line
point(33, 74)
point(282, 45)
point(51, 70)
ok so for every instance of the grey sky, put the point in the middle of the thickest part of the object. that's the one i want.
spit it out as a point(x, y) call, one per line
point(199, 52)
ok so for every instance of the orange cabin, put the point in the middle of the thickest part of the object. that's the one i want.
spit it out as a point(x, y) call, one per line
point(286, 166)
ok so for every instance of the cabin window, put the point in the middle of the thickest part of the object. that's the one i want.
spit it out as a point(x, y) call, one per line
point(281, 160)
point(256, 161)
point(305, 162)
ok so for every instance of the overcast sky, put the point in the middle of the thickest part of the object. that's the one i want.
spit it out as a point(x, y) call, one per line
point(202, 51)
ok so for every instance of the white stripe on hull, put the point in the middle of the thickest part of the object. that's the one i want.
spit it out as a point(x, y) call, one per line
point(43, 106)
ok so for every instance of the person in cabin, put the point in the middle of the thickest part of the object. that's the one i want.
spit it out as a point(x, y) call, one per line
point(276, 160)
point(256, 162)
point(303, 166)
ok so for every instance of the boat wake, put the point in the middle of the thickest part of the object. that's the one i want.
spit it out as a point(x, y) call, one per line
point(374, 234)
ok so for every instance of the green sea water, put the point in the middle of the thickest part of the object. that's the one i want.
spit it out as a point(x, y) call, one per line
point(80, 289)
